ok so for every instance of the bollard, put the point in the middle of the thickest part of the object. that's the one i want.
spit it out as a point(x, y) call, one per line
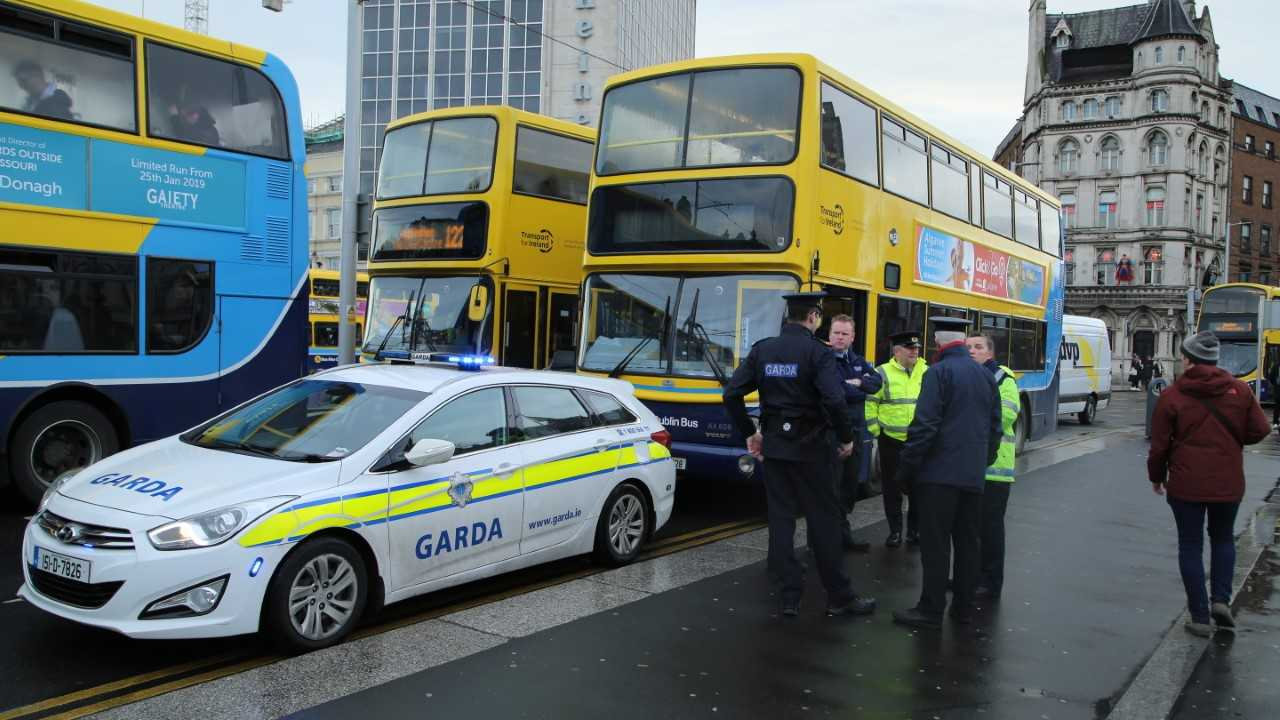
point(1154, 388)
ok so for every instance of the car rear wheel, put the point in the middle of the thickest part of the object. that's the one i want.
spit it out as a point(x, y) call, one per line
point(317, 595)
point(1089, 412)
point(55, 439)
point(623, 526)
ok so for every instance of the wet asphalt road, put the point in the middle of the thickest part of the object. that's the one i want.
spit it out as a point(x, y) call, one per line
point(42, 656)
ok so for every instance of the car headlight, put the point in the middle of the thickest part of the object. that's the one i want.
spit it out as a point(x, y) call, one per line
point(213, 527)
point(54, 487)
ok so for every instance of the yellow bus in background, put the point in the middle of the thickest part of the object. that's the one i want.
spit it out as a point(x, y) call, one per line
point(323, 315)
point(477, 240)
point(1241, 315)
point(722, 183)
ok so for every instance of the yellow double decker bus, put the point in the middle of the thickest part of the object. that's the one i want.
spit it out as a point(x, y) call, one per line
point(1246, 319)
point(323, 315)
point(720, 184)
point(477, 237)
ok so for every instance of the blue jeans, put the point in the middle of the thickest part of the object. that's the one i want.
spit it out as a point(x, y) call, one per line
point(1190, 517)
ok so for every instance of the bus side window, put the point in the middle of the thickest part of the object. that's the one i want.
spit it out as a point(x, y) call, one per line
point(179, 303)
point(85, 75)
point(895, 315)
point(551, 165)
point(199, 100)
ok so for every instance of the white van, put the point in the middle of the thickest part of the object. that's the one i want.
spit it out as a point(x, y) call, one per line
point(1085, 380)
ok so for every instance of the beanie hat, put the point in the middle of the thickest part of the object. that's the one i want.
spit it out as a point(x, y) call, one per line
point(1201, 348)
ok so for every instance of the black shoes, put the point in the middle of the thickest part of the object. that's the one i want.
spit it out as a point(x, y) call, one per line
point(982, 592)
point(790, 608)
point(853, 606)
point(894, 539)
point(916, 619)
point(961, 616)
point(913, 537)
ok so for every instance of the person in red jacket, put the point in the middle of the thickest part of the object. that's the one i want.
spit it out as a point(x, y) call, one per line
point(1198, 432)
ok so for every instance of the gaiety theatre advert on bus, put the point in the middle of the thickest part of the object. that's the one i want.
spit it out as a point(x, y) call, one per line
point(954, 263)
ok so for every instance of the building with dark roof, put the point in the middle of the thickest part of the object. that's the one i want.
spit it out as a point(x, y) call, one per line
point(1127, 121)
point(323, 170)
point(1255, 174)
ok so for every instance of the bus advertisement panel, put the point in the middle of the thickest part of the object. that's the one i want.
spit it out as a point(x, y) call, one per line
point(140, 259)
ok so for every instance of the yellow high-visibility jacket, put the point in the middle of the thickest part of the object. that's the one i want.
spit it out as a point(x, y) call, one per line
point(890, 410)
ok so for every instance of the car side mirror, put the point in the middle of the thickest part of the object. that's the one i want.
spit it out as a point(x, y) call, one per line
point(429, 452)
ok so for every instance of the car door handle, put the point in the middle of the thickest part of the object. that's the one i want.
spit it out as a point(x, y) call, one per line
point(603, 444)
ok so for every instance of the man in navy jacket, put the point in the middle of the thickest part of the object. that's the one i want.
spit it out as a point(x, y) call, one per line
point(953, 438)
point(860, 380)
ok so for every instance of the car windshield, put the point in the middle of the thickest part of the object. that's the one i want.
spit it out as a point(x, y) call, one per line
point(308, 421)
point(683, 325)
point(426, 313)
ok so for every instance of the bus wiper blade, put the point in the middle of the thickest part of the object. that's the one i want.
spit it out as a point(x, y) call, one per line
point(383, 345)
point(702, 341)
point(622, 364)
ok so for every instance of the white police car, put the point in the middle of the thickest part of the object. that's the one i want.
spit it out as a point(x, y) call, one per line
point(351, 488)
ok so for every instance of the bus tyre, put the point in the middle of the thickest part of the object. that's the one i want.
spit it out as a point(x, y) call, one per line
point(1090, 410)
point(316, 596)
point(1021, 429)
point(623, 526)
point(61, 436)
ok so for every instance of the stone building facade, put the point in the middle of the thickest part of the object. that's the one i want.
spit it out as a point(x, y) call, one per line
point(1127, 121)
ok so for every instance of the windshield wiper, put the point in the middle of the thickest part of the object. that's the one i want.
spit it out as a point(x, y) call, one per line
point(244, 449)
point(383, 345)
point(626, 360)
point(413, 333)
point(702, 340)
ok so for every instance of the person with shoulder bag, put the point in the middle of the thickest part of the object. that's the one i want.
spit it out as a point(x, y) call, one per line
point(1198, 432)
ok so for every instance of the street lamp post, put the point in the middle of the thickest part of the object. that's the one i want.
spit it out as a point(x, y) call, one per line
point(350, 188)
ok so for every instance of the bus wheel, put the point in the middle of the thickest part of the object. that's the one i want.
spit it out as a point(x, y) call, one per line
point(59, 437)
point(1090, 410)
point(1021, 429)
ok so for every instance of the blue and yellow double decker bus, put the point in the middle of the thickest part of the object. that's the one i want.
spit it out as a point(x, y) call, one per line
point(720, 184)
point(153, 235)
point(323, 316)
point(478, 230)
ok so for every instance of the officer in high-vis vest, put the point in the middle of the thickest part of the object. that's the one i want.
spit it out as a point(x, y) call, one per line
point(889, 412)
point(995, 498)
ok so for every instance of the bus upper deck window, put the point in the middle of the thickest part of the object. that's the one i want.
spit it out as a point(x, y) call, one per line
point(65, 71)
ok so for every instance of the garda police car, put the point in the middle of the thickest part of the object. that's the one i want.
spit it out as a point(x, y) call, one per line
point(351, 488)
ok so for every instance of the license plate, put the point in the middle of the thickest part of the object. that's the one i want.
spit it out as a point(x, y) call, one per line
point(679, 462)
point(62, 565)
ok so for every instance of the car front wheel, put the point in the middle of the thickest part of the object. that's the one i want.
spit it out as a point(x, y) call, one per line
point(623, 526)
point(317, 595)
point(1089, 412)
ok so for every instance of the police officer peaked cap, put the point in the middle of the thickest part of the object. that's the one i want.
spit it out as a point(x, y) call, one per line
point(805, 299)
point(953, 324)
point(908, 338)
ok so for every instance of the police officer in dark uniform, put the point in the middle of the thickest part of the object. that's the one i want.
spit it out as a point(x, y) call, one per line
point(801, 404)
point(953, 438)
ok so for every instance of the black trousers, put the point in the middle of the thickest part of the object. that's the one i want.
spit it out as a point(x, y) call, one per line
point(890, 449)
point(792, 487)
point(995, 500)
point(844, 476)
point(949, 518)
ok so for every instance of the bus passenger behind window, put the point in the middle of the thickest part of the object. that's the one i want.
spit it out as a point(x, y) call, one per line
point(43, 96)
point(193, 123)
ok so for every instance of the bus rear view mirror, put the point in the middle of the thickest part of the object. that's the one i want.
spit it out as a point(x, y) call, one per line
point(477, 303)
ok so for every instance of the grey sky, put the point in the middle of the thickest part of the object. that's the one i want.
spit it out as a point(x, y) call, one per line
point(960, 64)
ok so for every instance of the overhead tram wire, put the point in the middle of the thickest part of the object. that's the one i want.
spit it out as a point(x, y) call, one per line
point(526, 28)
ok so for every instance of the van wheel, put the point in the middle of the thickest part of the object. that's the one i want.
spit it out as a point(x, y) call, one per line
point(1089, 412)
point(57, 438)
point(316, 596)
point(623, 527)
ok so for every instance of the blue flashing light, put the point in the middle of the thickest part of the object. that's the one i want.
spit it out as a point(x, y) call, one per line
point(471, 362)
point(255, 567)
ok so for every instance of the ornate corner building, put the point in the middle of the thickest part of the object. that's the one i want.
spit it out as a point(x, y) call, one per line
point(1127, 120)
